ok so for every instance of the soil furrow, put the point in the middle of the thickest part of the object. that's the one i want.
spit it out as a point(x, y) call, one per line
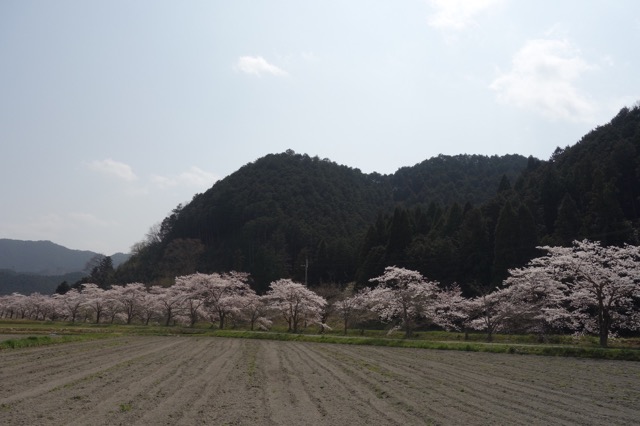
point(327, 384)
point(200, 380)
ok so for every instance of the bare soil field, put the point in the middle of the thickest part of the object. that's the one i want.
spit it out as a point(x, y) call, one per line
point(208, 380)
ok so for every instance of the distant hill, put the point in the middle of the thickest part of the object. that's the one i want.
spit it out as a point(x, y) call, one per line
point(39, 266)
point(46, 258)
point(13, 282)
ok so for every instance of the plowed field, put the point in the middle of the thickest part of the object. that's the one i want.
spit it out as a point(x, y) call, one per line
point(204, 380)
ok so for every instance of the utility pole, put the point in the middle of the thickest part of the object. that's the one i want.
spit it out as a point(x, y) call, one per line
point(306, 269)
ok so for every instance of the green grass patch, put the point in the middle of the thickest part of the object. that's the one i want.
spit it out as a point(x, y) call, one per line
point(125, 406)
point(521, 349)
point(32, 333)
point(32, 341)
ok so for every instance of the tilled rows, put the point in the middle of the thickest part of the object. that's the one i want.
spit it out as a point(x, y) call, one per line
point(202, 380)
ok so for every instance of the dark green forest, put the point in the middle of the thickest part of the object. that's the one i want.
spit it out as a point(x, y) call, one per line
point(464, 218)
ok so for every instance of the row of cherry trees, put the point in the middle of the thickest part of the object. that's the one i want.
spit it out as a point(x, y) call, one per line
point(217, 298)
point(585, 288)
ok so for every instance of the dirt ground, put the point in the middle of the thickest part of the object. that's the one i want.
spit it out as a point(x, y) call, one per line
point(216, 381)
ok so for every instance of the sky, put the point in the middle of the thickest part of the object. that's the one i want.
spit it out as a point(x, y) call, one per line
point(114, 112)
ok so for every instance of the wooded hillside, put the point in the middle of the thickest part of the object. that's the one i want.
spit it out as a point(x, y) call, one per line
point(464, 218)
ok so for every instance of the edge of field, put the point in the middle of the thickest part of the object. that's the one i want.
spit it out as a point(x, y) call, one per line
point(37, 334)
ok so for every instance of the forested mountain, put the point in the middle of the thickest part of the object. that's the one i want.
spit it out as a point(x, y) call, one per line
point(464, 219)
point(454, 179)
point(592, 189)
point(293, 215)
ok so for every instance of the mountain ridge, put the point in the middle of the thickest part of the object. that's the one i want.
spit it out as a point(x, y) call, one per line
point(273, 215)
point(44, 257)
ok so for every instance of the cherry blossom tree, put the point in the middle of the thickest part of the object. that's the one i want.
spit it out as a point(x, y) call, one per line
point(602, 285)
point(169, 301)
point(223, 294)
point(149, 307)
point(452, 309)
point(539, 298)
point(18, 305)
point(353, 307)
point(193, 288)
point(52, 308)
point(295, 302)
point(128, 299)
point(71, 303)
point(255, 311)
point(491, 312)
point(5, 307)
point(112, 307)
point(37, 306)
point(404, 295)
point(94, 299)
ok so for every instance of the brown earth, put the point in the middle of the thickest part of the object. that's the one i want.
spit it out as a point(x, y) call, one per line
point(204, 380)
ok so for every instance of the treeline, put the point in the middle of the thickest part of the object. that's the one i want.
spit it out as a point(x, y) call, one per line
point(585, 288)
point(465, 219)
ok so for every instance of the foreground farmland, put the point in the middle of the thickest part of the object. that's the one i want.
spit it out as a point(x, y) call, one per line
point(206, 380)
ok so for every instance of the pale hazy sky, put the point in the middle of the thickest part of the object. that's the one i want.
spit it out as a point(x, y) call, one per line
point(113, 112)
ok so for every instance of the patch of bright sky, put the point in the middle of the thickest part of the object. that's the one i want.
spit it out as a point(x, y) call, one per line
point(114, 112)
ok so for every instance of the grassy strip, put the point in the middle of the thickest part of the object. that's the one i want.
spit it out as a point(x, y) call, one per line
point(32, 341)
point(522, 349)
point(514, 344)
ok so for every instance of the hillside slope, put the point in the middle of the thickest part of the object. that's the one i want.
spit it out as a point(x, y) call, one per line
point(293, 215)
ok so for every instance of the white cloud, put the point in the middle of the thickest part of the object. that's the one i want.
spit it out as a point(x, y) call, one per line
point(457, 14)
point(194, 177)
point(542, 78)
point(114, 168)
point(257, 65)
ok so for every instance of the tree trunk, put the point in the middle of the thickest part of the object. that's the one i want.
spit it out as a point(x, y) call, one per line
point(604, 321)
point(604, 337)
point(408, 329)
